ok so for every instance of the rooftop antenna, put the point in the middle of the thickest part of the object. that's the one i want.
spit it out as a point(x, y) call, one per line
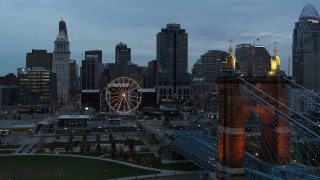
point(288, 66)
point(268, 47)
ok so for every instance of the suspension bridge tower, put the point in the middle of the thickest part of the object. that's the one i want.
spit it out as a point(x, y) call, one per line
point(234, 110)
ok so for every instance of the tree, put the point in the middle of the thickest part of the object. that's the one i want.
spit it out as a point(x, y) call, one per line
point(113, 153)
point(98, 148)
point(52, 146)
point(84, 138)
point(125, 156)
point(158, 161)
point(113, 145)
point(98, 138)
point(131, 147)
point(138, 159)
point(88, 148)
point(67, 148)
point(70, 143)
point(82, 148)
point(110, 137)
point(121, 150)
point(58, 137)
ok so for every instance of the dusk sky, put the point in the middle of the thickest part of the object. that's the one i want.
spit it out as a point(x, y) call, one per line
point(101, 24)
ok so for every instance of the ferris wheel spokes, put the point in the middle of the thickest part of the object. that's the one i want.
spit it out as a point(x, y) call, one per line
point(123, 95)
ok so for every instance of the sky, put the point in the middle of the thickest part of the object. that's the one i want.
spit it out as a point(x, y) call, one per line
point(101, 24)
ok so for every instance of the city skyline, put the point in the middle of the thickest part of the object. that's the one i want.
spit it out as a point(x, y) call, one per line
point(103, 24)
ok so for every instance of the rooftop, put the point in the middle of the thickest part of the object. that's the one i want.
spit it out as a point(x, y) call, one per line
point(74, 117)
point(309, 12)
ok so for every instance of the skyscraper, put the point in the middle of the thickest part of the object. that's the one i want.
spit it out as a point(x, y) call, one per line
point(244, 54)
point(172, 62)
point(89, 72)
point(73, 76)
point(123, 54)
point(36, 88)
point(152, 74)
point(61, 63)
point(259, 65)
point(213, 62)
point(39, 58)
point(306, 49)
point(252, 60)
point(95, 52)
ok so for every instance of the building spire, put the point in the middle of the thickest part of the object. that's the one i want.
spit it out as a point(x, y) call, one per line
point(230, 48)
point(63, 27)
point(275, 51)
point(275, 63)
point(231, 59)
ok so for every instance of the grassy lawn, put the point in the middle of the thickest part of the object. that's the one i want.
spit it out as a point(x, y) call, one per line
point(9, 147)
point(49, 168)
point(184, 166)
point(5, 151)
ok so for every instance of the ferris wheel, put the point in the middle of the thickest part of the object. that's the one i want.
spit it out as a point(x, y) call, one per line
point(123, 95)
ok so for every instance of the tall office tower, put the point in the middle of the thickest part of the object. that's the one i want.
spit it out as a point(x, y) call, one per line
point(114, 71)
point(152, 74)
point(143, 72)
point(8, 90)
point(73, 76)
point(95, 52)
point(123, 54)
point(244, 55)
point(306, 49)
point(61, 65)
point(213, 62)
point(204, 76)
point(36, 89)
point(173, 79)
point(197, 72)
point(259, 64)
point(39, 58)
point(89, 72)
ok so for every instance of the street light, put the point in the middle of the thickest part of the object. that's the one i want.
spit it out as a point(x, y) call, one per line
point(106, 173)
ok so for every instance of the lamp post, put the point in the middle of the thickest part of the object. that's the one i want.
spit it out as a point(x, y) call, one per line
point(106, 173)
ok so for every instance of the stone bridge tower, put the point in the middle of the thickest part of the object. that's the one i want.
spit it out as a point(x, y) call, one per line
point(233, 111)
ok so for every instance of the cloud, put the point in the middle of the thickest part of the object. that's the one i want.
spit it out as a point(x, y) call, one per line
point(101, 24)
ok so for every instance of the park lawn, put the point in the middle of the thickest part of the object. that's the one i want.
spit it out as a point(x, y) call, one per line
point(50, 167)
point(6, 151)
point(9, 147)
point(181, 166)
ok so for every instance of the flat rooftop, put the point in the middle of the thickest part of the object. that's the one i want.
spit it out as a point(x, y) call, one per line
point(11, 124)
point(74, 116)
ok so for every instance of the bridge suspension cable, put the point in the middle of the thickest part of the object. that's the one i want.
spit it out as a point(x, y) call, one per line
point(307, 90)
point(305, 142)
point(282, 104)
